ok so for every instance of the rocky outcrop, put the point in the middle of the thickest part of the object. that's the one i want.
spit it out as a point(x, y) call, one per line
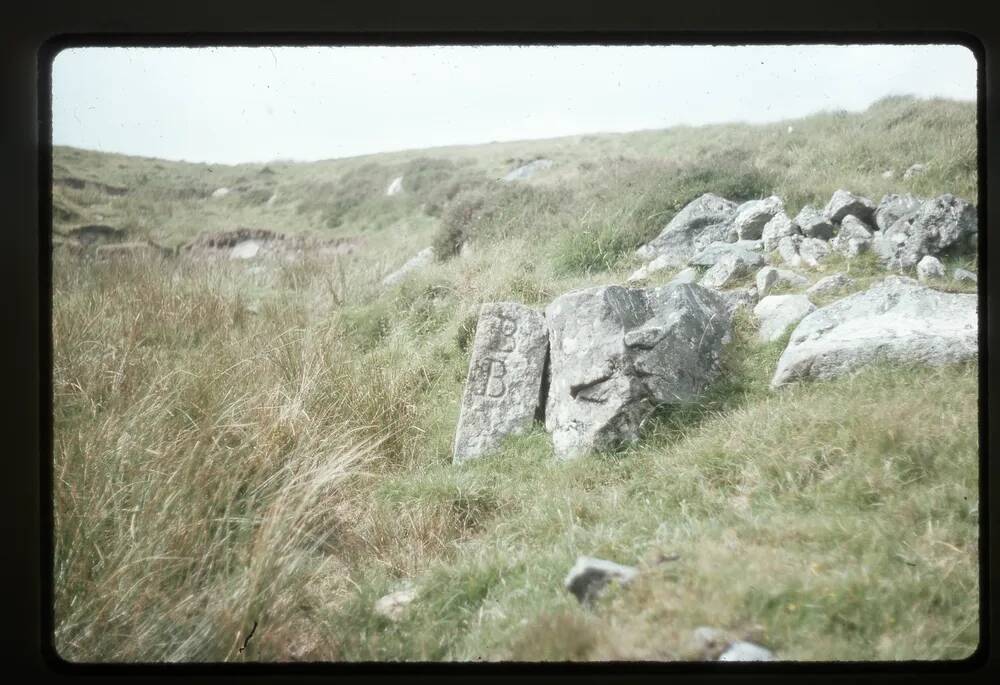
point(617, 353)
point(942, 225)
point(504, 389)
point(929, 268)
point(730, 268)
point(891, 208)
point(853, 239)
point(705, 220)
point(898, 320)
point(813, 223)
point(843, 203)
point(777, 228)
point(752, 216)
point(769, 277)
point(830, 284)
point(710, 255)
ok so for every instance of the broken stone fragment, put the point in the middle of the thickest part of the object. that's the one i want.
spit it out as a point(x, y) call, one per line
point(503, 391)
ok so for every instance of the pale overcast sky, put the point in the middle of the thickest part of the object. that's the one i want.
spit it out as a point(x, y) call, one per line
point(230, 105)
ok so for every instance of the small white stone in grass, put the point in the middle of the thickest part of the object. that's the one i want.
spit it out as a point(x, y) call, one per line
point(746, 651)
point(393, 605)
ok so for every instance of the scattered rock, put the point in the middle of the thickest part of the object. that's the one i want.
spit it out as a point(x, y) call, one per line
point(914, 170)
point(777, 312)
point(616, 353)
point(710, 255)
point(891, 208)
point(944, 224)
point(853, 238)
point(248, 249)
point(843, 203)
point(710, 639)
point(752, 216)
point(964, 276)
point(528, 170)
point(394, 605)
point(395, 187)
point(897, 320)
point(777, 228)
point(590, 575)
point(701, 222)
point(813, 223)
point(888, 173)
point(830, 284)
point(418, 261)
point(929, 268)
point(746, 651)
point(730, 268)
point(504, 389)
point(769, 277)
point(220, 192)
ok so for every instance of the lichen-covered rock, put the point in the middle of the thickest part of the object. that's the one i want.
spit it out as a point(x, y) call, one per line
point(830, 284)
point(843, 203)
point(891, 208)
point(813, 223)
point(777, 312)
point(729, 268)
point(702, 221)
point(929, 268)
point(590, 575)
point(897, 320)
point(752, 216)
point(777, 228)
point(503, 392)
point(853, 239)
point(769, 277)
point(944, 224)
point(616, 353)
point(710, 255)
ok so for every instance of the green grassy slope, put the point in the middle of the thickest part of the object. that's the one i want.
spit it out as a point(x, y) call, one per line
point(236, 445)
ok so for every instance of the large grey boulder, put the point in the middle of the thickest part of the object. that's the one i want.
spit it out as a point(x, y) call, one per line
point(813, 223)
point(590, 575)
point(710, 255)
point(503, 391)
point(777, 228)
point(729, 268)
point(616, 353)
point(853, 239)
point(944, 224)
point(418, 261)
point(843, 203)
point(702, 221)
point(752, 216)
point(897, 320)
point(891, 208)
point(746, 651)
point(777, 312)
